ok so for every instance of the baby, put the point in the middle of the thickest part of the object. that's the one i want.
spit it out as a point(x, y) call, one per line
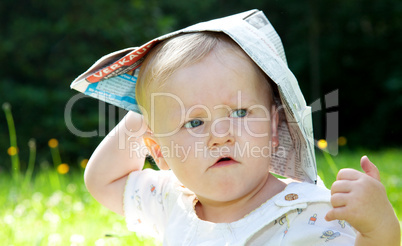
point(210, 120)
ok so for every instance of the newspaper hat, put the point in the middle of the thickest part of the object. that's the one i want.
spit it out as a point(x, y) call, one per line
point(112, 79)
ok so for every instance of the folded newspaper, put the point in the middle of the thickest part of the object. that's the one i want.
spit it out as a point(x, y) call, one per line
point(112, 79)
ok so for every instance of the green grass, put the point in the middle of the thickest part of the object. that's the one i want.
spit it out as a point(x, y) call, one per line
point(54, 209)
point(387, 161)
point(46, 212)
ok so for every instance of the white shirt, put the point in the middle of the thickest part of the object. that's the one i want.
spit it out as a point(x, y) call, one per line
point(156, 204)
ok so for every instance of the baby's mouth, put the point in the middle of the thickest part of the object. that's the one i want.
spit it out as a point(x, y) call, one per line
point(224, 161)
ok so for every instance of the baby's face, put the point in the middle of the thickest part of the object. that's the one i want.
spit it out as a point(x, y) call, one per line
point(213, 123)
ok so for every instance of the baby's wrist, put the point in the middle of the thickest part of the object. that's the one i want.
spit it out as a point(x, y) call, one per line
point(387, 232)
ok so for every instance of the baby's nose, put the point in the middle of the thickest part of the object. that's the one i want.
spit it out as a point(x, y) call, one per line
point(221, 132)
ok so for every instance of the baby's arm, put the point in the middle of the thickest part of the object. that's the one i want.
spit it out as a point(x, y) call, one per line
point(361, 199)
point(116, 157)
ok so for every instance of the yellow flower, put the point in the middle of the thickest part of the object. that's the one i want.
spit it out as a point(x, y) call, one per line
point(63, 168)
point(12, 150)
point(32, 143)
point(53, 143)
point(84, 163)
point(322, 144)
point(342, 141)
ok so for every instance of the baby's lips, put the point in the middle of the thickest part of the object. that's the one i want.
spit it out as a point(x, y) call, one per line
point(224, 159)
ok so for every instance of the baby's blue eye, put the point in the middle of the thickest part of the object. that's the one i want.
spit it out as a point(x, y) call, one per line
point(193, 123)
point(239, 113)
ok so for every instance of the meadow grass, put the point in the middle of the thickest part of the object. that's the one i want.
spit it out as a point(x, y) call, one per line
point(387, 161)
point(55, 209)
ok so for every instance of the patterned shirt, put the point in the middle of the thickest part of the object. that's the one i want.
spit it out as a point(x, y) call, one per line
point(156, 204)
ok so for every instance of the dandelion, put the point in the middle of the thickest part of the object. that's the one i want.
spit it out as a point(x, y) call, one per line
point(63, 168)
point(84, 163)
point(65, 214)
point(51, 217)
point(6, 106)
point(37, 197)
point(67, 199)
point(9, 219)
point(19, 210)
point(71, 188)
point(53, 143)
point(31, 161)
point(77, 239)
point(54, 239)
point(12, 151)
point(78, 206)
point(322, 144)
point(342, 141)
point(55, 199)
point(101, 242)
point(118, 226)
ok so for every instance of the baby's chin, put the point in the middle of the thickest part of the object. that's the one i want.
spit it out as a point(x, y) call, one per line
point(226, 191)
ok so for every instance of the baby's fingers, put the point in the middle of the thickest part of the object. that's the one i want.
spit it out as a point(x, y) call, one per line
point(341, 186)
point(348, 174)
point(369, 168)
point(338, 213)
point(339, 200)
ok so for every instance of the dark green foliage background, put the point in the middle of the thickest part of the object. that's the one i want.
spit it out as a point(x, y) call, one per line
point(353, 46)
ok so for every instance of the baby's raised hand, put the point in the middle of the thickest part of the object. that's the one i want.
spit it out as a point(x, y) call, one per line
point(361, 200)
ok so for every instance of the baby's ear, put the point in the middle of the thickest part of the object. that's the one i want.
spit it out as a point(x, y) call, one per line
point(155, 151)
point(274, 119)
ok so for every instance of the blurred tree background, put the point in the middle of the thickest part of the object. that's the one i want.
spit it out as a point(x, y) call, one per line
point(352, 46)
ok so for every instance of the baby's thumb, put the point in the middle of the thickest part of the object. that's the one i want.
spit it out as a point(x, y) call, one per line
point(369, 168)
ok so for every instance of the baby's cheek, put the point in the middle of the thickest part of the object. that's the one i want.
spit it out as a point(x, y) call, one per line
point(185, 150)
point(257, 128)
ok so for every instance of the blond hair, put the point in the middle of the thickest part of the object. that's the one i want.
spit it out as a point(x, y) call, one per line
point(178, 52)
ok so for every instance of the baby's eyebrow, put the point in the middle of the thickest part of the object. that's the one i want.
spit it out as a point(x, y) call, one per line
point(202, 111)
point(223, 106)
point(197, 111)
point(237, 102)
